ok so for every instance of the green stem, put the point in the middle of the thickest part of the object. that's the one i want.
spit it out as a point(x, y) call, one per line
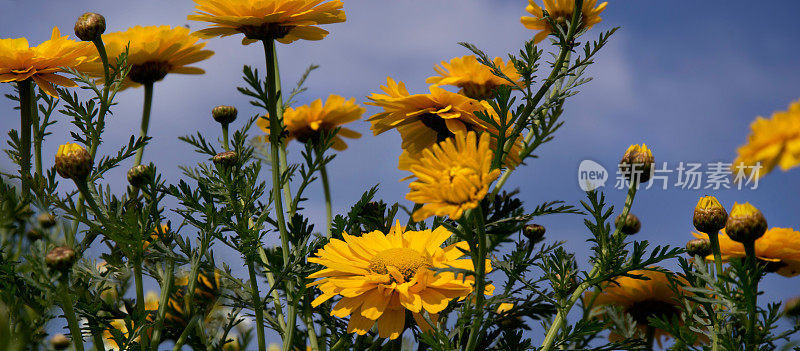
point(480, 278)
point(752, 269)
point(561, 315)
point(162, 303)
point(97, 336)
point(25, 107)
point(148, 103)
point(69, 314)
point(650, 337)
point(37, 139)
point(312, 333)
point(326, 189)
point(185, 334)
point(225, 137)
point(259, 311)
point(137, 275)
point(714, 240)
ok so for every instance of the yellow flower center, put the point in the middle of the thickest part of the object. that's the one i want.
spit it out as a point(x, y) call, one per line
point(406, 261)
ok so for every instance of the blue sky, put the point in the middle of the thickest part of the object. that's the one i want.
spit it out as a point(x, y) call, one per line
point(687, 78)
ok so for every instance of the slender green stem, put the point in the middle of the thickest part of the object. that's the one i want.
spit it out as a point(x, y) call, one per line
point(650, 337)
point(148, 103)
point(312, 333)
point(752, 318)
point(185, 334)
point(166, 289)
point(69, 314)
point(257, 308)
point(137, 275)
point(225, 143)
point(276, 299)
point(97, 336)
point(326, 189)
point(25, 107)
point(37, 138)
point(713, 238)
point(480, 277)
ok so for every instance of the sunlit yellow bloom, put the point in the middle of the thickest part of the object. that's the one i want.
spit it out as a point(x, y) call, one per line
point(475, 80)
point(19, 62)
point(778, 247)
point(452, 176)
point(772, 142)
point(560, 12)
point(150, 306)
point(423, 119)
point(154, 52)
point(306, 122)
point(640, 299)
point(283, 20)
point(379, 276)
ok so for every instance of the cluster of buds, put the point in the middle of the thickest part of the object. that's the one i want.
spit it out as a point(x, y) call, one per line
point(90, 26)
point(629, 224)
point(746, 223)
point(73, 161)
point(637, 164)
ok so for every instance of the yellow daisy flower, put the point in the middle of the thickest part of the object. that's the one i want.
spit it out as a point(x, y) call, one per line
point(19, 61)
point(778, 247)
point(640, 299)
point(475, 80)
point(282, 20)
point(305, 122)
point(423, 119)
point(560, 12)
point(452, 176)
point(150, 307)
point(379, 276)
point(772, 142)
point(154, 51)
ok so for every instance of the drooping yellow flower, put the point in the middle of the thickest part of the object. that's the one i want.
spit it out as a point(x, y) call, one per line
point(779, 248)
point(282, 20)
point(41, 63)
point(640, 299)
point(306, 122)
point(772, 142)
point(475, 80)
point(154, 52)
point(560, 12)
point(452, 176)
point(379, 276)
point(423, 119)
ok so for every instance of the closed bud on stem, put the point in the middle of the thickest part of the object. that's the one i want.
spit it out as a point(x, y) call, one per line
point(46, 220)
point(629, 225)
point(637, 163)
point(73, 161)
point(60, 342)
point(746, 223)
point(139, 175)
point(698, 247)
point(709, 215)
point(792, 307)
point(90, 26)
point(226, 159)
point(224, 114)
point(534, 232)
point(60, 258)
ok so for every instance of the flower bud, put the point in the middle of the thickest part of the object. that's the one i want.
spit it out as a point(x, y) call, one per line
point(34, 234)
point(746, 223)
point(60, 258)
point(46, 220)
point(791, 307)
point(534, 232)
point(226, 159)
point(73, 161)
point(139, 175)
point(698, 247)
point(90, 26)
point(60, 342)
point(629, 225)
point(637, 163)
point(709, 215)
point(224, 114)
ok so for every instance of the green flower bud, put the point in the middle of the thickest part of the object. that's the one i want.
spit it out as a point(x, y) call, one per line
point(139, 175)
point(60, 258)
point(90, 26)
point(224, 114)
point(746, 223)
point(73, 161)
point(630, 225)
point(637, 163)
point(226, 159)
point(698, 247)
point(709, 215)
point(46, 220)
point(534, 232)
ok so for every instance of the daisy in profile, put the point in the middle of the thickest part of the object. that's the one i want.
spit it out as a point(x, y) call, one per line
point(560, 12)
point(380, 276)
point(282, 20)
point(473, 78)
point(772, 142)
